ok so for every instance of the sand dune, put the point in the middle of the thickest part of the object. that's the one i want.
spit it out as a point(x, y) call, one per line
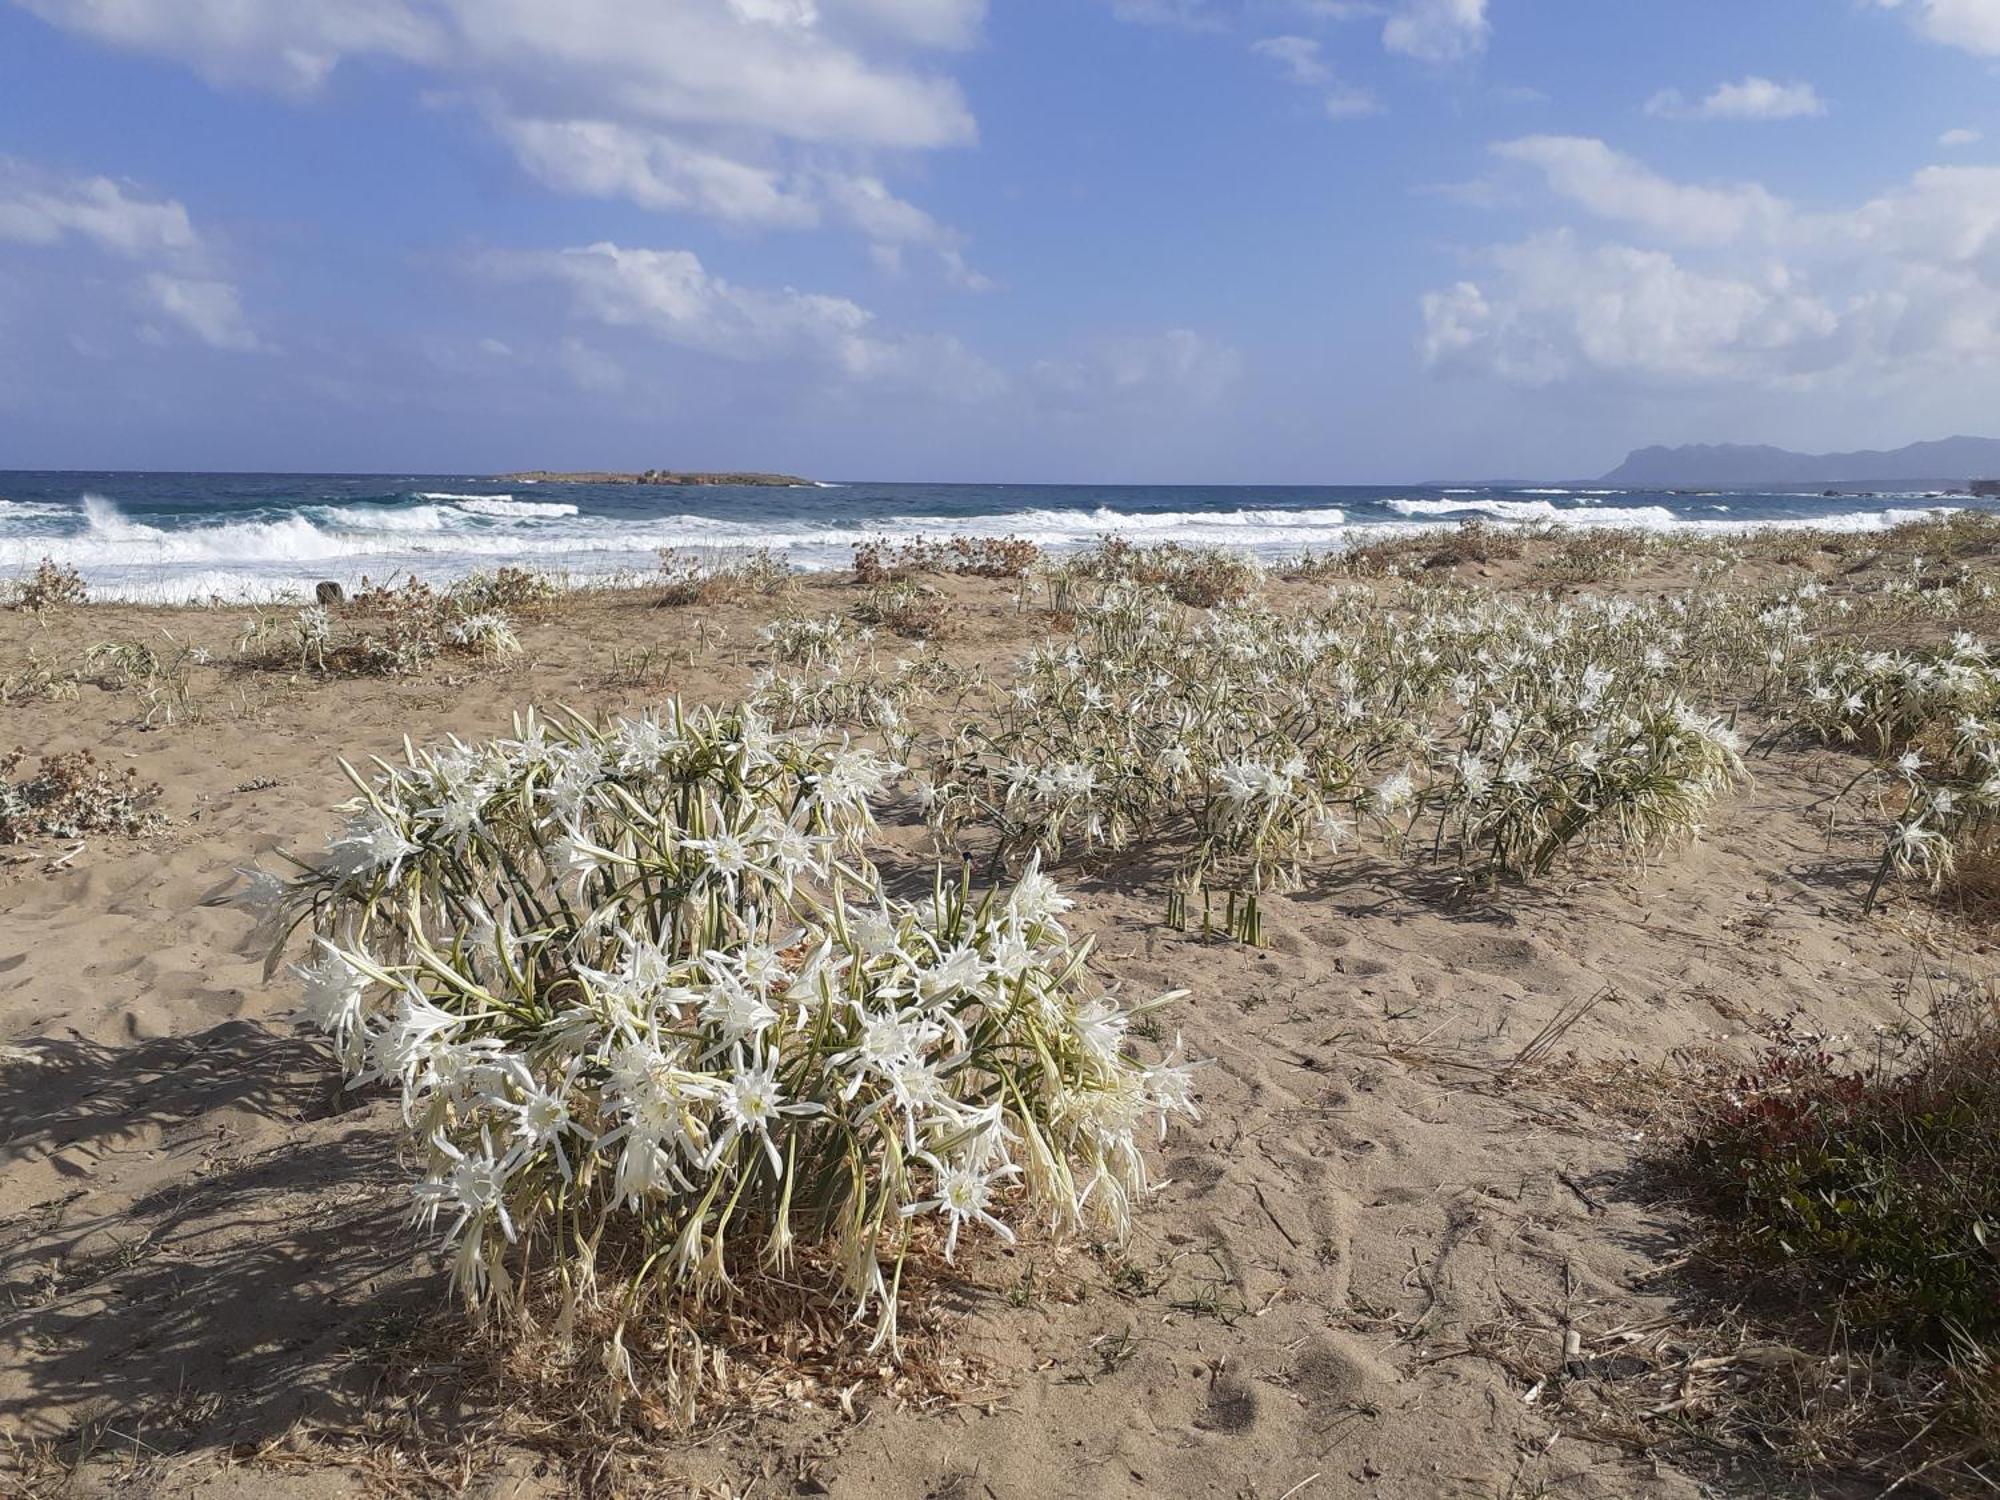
point(1367, 1252)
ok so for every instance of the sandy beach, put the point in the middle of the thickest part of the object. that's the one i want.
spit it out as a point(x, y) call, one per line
point(1410, 1248)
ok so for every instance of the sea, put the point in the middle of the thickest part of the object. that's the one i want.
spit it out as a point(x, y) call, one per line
point(190, 538)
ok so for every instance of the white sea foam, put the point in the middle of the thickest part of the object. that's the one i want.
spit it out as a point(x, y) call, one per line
point(448, 495)
point(1650, 516)
point(507, 505)
point(27, 510)
point(360, 518)
point(282, 557)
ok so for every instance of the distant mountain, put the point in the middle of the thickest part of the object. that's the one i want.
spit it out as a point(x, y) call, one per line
point(1706, 465)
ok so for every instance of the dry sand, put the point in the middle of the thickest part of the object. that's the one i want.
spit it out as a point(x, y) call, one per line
point(1381, 1267)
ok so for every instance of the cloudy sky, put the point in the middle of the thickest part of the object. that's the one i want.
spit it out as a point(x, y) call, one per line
point(1147, 240)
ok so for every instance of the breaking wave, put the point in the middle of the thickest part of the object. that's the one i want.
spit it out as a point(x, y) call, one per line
point(279, 550)
point(1518, 511)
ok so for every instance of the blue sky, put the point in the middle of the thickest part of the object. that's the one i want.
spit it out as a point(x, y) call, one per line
point(1144, 240)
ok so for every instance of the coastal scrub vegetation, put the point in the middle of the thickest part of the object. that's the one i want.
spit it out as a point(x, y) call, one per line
point(71, 796)
point(1258, 741)
point(51, 586)
point(399, 630)
point(690, 575)
point(665, 1042)
point(1929, 719)
point(906, 608)
point(1858, 1207)
point(882, 561)
point(1199, 576)
point(681, 1070)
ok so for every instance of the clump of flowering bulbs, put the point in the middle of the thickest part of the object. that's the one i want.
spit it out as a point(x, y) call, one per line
point(1931, 719)
point(1258, 741)
point(638, 986)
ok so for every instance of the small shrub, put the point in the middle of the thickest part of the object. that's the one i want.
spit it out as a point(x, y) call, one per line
point(39, 680)
point(1866, 1203)
point(1203, 577)
point(516, 592)
point(391, 630)
point(161, 676)
point(807, 640)
point(51, 586)
point(1597, 555)
point(1473, 542)
point(485, 632)
point(69, 796)
point(1389, 557)
point(697, 576)
point(908, 609)
point(881, 561)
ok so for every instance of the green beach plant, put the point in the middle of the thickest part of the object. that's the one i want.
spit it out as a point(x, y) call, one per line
point(1499, 734)
point(661, 1036)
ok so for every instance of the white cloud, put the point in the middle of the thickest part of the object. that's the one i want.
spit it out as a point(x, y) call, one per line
point(921, 23)
point(1952, 140)
point(1178, 365)
point(1299, 56)
point(1437, 31)
point(1972, 25)
point(1561, 309)
point(40, 209)
point(1339, 10)
point(1614, 186)
point(892, 225)
point(590, 369)
point(1301, 59)
point(36, 209)
point(603, 159)
point(1346, 101)
point(1751, 98)
point(1191, 15)
point(671, 296)
point(714, 107)
point(211, 310)
point(289, 48)
point(1901, 291)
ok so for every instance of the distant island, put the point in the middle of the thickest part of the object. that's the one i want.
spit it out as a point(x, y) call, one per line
point(1954, 461)
point(648, 476)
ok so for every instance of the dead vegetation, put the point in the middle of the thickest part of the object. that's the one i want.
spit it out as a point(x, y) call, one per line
point(882, 561)
point(913, 610)
point(52, 586)
point(397, 630)
point(690, 575)
point(69, 796)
